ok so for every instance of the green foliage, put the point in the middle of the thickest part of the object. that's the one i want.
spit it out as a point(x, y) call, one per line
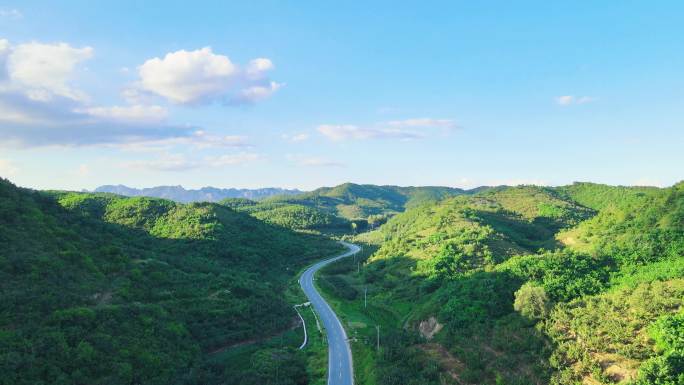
point(610, 327)
point(478, 298)
point(532, 285)
point(647, 226)
point(563, 274)
point(340, 209)
point(401, 363)
point(277, 366)
point(668, 333)
point(294, 216)
point(338, 286)
point(238, 203)
point(538, 285)
point(531, 301)
point(353, 201)
point(101, 289)
point(599, 196)
point(667, 368)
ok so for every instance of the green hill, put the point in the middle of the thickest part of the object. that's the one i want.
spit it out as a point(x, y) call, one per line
point(341, 209)
point(354, 201)
point(524, 285)
point(102, 289)
point(291, 216)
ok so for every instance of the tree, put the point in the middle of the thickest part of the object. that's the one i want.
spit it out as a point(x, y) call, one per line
point(531, 301)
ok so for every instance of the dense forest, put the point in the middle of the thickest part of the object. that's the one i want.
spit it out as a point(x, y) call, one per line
point(581, 284)
point(339, 210)
point(353, 201)
point(346, 208)
point(291, 215)
point(102, 289)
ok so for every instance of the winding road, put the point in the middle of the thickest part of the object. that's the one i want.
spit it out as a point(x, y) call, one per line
point(340, 370)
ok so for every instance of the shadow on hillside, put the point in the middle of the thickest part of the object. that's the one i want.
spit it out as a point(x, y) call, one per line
point(540, 233)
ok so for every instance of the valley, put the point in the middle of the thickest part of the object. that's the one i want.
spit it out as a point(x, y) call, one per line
point(501, 285)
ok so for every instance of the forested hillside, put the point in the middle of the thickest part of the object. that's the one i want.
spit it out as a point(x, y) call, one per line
point(353, 201)
point(102, 289)
point(331, 210)
point(582, 284)
point(347, 208)
point(291, 215)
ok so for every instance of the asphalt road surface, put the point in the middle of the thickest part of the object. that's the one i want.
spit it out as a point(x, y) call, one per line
point(340, 370)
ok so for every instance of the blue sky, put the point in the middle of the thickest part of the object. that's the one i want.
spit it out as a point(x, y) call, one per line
point(306, 94)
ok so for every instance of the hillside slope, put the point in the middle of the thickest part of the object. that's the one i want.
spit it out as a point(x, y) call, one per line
point(526, 285)
point(97, 288)
point(353, 201)
point(291, 216)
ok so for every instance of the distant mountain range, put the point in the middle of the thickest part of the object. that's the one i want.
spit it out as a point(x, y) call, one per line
point(205, 194)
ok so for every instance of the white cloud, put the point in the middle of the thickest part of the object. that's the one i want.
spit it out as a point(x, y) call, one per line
point(201, 76)
point(40, 107)
point(44, 70)
point(7, 168)
point(312, 161)
point(567, 100)
point(133, 95)
point(4, 47)
point(135, 113)
point(258, 67)
point(179, 162)
point(294, 138)
point(396, 129)
point(197, 140)
point(257, 93)
point(188, 76)
point(61, 121)
point(347, 131)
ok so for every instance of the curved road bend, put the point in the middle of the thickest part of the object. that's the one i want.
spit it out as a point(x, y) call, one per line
point(340, 370)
